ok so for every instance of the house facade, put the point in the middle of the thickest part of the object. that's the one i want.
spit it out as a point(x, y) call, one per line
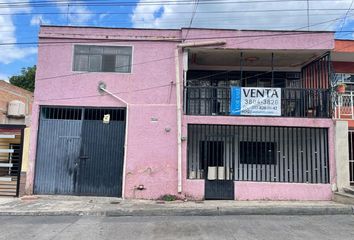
point(15, 115)
point(199, 113)
point(343, 64)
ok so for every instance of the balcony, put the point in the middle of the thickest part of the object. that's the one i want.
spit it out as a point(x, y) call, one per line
point(295, 102)
point(344, 108)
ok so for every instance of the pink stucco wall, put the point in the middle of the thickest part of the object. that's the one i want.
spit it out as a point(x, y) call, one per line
point(274, 40)
point(150, 91)
point(282, 191)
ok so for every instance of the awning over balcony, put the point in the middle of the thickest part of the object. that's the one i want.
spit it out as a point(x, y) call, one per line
point(314, 66)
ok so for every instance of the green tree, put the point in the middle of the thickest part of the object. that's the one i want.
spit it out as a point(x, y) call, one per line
point(25, 79)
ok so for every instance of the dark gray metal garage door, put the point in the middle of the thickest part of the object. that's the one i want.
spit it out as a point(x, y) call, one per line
point(78, 153)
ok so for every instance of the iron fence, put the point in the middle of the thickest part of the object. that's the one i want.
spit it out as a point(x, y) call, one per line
point(258, 153)
point(295, 102)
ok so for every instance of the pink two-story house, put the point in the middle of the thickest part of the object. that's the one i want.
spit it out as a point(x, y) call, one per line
point(199, 113)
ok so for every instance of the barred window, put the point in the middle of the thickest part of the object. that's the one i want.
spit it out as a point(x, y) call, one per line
point(102, 58)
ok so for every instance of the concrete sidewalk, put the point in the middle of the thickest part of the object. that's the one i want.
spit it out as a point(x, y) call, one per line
point(93, 206)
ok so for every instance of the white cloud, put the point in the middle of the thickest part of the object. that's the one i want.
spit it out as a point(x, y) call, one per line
point(241, 15)
point(39, 20)
point(4, 77)
point(10, 53)
point(83, 16)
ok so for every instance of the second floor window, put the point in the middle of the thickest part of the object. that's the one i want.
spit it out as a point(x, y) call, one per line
point(102, 58)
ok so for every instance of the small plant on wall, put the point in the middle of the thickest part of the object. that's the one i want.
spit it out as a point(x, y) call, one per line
point(340, 88)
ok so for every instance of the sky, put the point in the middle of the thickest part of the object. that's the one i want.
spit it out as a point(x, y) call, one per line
point(20, 20)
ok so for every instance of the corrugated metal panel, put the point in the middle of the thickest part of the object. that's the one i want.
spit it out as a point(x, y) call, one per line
point(58, 149)
point(79, 154)
point(102, 160)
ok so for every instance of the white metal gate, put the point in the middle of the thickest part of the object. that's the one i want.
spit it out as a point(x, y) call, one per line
point(344, 109)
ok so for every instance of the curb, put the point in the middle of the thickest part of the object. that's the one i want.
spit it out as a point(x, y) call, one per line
point(294, 211)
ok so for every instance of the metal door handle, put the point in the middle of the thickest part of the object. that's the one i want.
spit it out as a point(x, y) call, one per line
point(83, 157)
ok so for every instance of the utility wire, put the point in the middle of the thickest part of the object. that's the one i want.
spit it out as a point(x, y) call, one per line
point(154, 60)
point(82, 73)
point(98, 95)
point(209, 38)
point(132, 3)
point(128, 13)
point(308, 15)
point(281, 33)
point(346, 15)
point(179, 12)
point(165, 85)
point(85, 40)
point(192, 18)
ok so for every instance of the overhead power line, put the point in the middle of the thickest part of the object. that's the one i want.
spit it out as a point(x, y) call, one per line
point(346, 15)
point(20, 4)
point(319, 13)
point(265, 34)
point(157, 60)
point(259, 36)
point(85, 40)
point(192, 18)
point(178, 12)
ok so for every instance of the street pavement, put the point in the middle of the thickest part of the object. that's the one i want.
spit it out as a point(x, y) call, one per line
point(239, 227)
point(95, 206)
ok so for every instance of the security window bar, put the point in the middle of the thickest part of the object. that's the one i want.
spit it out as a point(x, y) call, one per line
point(102, 58)
point(68, 113)
point(99, 113)
point(258, 153)
point(61, 113)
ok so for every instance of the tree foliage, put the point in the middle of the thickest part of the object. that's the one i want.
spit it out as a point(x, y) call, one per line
point(25, 79)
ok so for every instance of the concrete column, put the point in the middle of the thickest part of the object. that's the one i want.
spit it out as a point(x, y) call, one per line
point(342, 154)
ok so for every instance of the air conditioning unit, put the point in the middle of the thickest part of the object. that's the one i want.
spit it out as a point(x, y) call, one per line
point(16, 109)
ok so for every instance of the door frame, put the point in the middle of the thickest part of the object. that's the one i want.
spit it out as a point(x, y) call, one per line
point(82, 108)
point(218, 189)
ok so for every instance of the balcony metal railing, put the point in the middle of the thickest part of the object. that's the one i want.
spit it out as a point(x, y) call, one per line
point(295, 102)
